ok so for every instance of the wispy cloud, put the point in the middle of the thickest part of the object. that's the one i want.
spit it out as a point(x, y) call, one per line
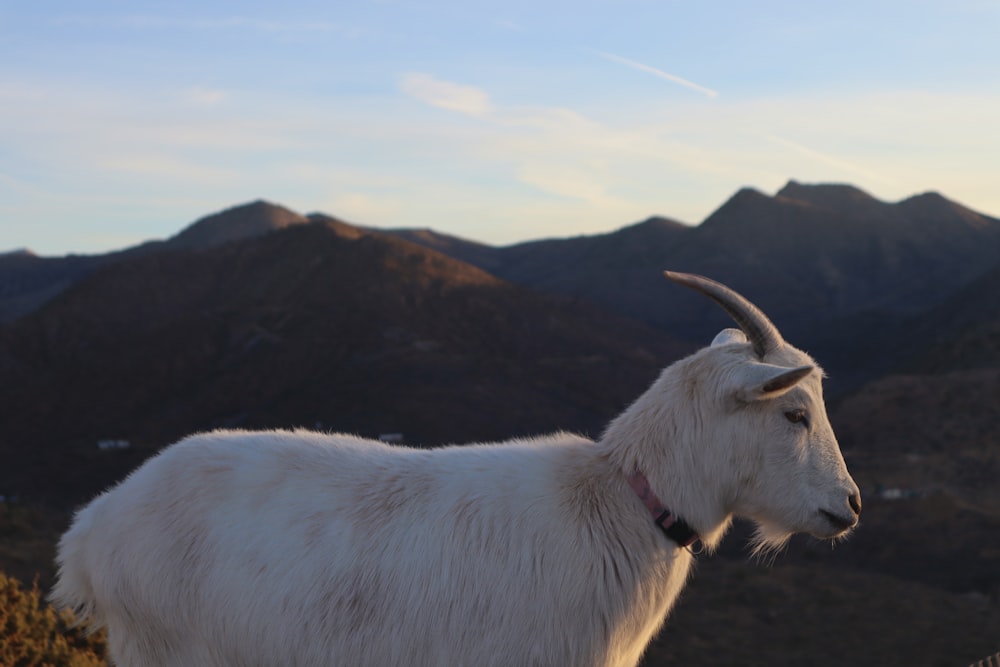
point(649, 69)
point(446, 95)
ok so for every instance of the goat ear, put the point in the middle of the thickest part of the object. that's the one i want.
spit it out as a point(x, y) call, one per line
point(762, 381)
point(727, 336)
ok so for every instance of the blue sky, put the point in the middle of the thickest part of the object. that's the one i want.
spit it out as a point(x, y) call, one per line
point(496, 121)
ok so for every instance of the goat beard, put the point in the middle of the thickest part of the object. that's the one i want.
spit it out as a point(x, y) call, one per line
point(768, 541)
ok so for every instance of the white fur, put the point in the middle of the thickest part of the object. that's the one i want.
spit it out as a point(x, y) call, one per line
point(305, 549)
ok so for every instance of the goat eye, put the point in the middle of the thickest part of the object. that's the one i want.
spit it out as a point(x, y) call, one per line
point(798, 417)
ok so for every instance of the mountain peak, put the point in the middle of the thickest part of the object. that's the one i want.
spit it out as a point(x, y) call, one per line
point(932, 206)
point(17, 252)
point(746, 204)
point(657, 222)
point(239, 222)
point(826, 195)
point(746, 195)
point(654, 231)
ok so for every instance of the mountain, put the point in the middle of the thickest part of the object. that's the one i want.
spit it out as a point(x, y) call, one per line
point(813, 256)
point(844, 252)
point(314, 324)
point(830, 264)
point(807, 254)
point(963, 333)
point(28, 281)
point(478, 254)
point(236, 223)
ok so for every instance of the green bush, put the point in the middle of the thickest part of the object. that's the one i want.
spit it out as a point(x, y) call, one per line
point(33, 634)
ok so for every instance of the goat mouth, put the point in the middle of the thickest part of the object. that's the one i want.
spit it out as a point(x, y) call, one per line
point(841, 523)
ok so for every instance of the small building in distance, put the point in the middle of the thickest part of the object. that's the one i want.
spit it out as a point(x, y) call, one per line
point(110, 444)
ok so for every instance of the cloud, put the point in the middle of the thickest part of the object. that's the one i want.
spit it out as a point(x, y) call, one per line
point(446, 95)
point(673, 78)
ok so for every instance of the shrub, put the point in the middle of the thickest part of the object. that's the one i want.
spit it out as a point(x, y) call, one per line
point(33, 634)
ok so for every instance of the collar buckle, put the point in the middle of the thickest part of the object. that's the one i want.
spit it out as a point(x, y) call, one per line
point(672, 525)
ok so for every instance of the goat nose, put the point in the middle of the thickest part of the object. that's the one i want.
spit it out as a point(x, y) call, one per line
point(854, 500)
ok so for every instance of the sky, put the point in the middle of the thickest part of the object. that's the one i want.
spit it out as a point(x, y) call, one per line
point(495, 121)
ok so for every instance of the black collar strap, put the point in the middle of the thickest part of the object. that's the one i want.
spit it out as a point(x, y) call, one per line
point(672, 526)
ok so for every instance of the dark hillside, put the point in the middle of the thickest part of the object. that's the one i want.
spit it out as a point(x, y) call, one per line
point(314, 326)
point(963, 333)
point(808, 253)
point(835, 268)
point(484, 256)
point(27, 281)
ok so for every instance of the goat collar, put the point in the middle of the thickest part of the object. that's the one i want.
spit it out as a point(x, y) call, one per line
point(672, 526)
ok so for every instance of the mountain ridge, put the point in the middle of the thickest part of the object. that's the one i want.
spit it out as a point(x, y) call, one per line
point(813, 256)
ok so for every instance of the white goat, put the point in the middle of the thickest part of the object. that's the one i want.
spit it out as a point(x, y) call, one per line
point(305, 549)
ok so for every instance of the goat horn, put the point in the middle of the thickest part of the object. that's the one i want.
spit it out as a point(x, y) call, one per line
point(763, 335)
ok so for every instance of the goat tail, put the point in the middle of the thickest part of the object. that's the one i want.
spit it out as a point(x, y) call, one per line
point(74, 588)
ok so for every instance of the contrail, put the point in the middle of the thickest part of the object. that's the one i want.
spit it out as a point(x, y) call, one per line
point(658, 72)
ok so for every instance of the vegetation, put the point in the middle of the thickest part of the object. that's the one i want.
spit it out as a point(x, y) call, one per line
point(33, 634)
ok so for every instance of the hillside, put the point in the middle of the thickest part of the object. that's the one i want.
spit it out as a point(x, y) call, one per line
point(934, 422)
point(963, 333)
point(315, 325)
point(829, 263)
point(837, 269)
point(27, 281)
point(809, 252)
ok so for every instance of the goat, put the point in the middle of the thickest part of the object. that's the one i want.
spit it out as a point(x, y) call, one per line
point(307, 549)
